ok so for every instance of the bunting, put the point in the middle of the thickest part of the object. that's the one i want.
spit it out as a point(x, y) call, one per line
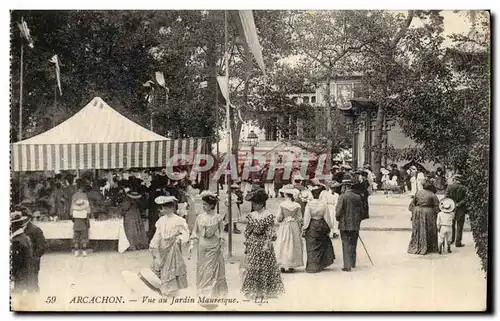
point(248, 24)
point(55, 60)
point(25, 32)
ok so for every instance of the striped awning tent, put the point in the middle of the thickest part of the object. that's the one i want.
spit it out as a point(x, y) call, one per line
point(98, 137)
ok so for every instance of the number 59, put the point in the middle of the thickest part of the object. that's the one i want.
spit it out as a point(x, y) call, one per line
point(50, 299)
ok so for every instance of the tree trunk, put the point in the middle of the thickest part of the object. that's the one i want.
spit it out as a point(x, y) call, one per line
point(379, 138)
point(328, 110)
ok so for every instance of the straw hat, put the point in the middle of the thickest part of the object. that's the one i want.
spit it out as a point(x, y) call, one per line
point(80, 205)
point(141, 284)
point(134, 194)
point(17, 220)
point(447, 205)
point(348, 180)
point(150, 278)
point(160, 200)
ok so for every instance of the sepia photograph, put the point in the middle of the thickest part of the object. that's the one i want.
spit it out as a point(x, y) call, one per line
point(250, 160)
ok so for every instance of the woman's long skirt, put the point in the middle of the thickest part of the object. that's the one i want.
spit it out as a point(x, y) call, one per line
point(289, 245)
point(135, 231)
point(210, 269)
point(169, 265)
point(319, 247)
point(424, 231)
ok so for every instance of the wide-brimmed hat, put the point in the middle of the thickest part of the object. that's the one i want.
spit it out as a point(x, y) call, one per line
point(160, 200)
point(361, 171)
point(134, 194)
point(413, 168)
point(384, 171)
point(393, 165)
point(289, 190)
point(447, 205)
point(258, 196)
point(235, 186)
point(316, 182)
point(17, 220)
point(335, 184)
point(140, 284)
point(80, 204)
point(348, 167)
point(25, 211)
point(209, 197)
point(348, 180)
point(150, 279)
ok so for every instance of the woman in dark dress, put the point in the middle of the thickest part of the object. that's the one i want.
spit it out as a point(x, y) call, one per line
point(316, 231)
point(261, 277)
point(132, 221)
point(424, 208)
point(440, 180)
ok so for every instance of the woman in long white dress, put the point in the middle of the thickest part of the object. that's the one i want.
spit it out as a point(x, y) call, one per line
point(208, 236)
point(289, 249)
point(330, 197)
point(171, 232)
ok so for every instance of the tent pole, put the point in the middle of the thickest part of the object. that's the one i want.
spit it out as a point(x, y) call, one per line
point(228, 177)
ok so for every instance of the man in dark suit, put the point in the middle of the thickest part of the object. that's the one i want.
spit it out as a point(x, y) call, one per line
point(457, 192)
point(349, 213)
point(21, 255)
point(38, 244)
point(361, 188)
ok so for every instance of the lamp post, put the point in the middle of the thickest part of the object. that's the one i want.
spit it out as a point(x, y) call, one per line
point(253, 140)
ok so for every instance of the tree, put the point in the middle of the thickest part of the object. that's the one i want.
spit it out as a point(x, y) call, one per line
point(443, 104)
point(328, 42)
point(111, 54)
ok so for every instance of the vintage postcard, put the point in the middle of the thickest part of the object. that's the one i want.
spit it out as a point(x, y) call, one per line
point(249, 160)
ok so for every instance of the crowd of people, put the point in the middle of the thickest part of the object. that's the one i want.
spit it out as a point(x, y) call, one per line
point(438, 223)
point(312, 212)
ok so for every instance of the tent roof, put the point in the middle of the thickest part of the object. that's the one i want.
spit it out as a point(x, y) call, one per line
point(95, 123)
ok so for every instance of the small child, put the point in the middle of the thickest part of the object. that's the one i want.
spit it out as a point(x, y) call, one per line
point(445, 222)
point(80, 212)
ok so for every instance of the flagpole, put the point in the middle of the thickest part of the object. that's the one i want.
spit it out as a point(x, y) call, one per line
point(217, 127)
point(228, 178)
point(20, 134)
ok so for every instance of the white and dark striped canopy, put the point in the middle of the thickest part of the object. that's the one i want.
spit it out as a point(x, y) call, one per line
point(98, 137)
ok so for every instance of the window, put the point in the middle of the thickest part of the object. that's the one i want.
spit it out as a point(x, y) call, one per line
point(313, 99)
point(305, 99)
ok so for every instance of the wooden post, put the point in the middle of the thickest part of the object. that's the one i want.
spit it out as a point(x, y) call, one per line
point(20, 134)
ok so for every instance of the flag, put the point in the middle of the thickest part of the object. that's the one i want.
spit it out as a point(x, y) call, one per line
point(55, 60)
point(25, 32)
point(248, 24)
point(160, 79)
point(203, 84)
point(224, 89)
point(224, 86)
